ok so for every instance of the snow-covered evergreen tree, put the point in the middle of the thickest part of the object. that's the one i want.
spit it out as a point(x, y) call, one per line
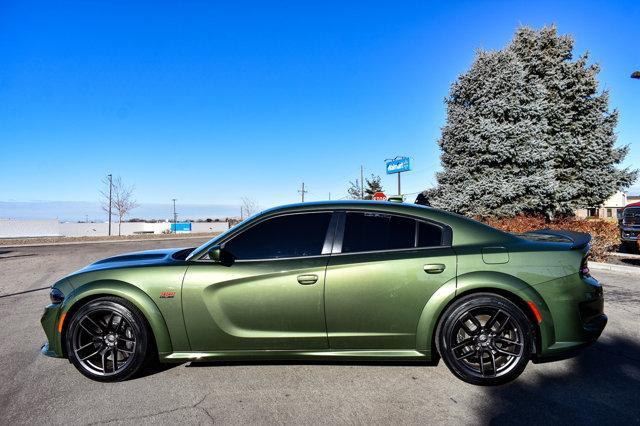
point(527, 132)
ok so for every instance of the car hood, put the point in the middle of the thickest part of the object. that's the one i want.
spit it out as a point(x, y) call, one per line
point(140, 258)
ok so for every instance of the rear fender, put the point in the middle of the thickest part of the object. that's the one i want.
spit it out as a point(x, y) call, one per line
point(510, 286)
point(430, 315)
point(485, 281)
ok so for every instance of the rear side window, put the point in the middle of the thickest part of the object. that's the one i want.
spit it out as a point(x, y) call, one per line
point(429, 235)
point(377, 231)
point(295, 235)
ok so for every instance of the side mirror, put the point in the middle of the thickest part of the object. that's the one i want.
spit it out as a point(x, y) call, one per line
point(214, 253)
point(220, 255)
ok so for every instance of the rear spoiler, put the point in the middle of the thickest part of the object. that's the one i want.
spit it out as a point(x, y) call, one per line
point(578, 239)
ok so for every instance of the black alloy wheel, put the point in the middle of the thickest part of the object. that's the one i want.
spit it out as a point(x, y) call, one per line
point(107, 339)
point(485, 339)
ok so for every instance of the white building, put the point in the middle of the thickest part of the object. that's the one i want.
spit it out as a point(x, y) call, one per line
point(609, 209)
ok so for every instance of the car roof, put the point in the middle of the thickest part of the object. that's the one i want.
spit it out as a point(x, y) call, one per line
point(348, 205)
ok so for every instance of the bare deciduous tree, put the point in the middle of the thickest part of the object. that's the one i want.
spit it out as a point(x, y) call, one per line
point(122, 201)
point(355, 190)
point(248, 207)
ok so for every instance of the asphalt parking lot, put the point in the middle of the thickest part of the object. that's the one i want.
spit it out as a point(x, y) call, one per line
point(602, 385)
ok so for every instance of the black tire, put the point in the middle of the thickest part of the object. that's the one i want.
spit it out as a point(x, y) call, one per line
point(485, 339)
point(104, 330)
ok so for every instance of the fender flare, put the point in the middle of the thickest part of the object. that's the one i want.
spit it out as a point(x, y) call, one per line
point(126, 291)
point(475, 282)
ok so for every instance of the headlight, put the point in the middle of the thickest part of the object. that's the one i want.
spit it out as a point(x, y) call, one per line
point(56, 296)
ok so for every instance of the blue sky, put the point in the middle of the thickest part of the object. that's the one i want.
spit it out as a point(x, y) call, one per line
point(207, 102)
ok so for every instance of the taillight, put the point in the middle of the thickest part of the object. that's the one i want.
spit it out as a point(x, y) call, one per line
point(584, 268)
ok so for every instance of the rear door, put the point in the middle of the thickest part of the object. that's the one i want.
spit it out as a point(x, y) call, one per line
point(383, 271)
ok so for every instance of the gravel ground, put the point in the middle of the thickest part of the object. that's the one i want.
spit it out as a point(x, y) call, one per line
point(601, 386)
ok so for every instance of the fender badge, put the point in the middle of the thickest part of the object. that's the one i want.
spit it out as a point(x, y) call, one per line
point(167, 294)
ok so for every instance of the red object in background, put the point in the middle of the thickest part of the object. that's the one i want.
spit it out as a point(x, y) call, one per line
point(379, 196)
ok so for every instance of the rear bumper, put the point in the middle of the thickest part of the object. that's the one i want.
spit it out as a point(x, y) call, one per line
point(576, 307)
point(593, 329)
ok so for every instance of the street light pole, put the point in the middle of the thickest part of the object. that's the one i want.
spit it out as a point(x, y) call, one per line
point(110, 187)
point(302, 192)
point(175, 217)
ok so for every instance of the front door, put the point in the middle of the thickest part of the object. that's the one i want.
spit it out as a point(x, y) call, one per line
point(380, 280)
point(271, 297)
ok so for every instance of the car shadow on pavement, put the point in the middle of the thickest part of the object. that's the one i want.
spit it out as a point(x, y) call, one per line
point(156, 368)
point(599, 386)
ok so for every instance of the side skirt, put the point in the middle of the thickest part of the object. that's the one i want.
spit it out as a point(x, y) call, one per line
point(342, 355)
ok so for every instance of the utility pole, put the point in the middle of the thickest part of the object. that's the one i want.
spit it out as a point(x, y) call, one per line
point(361, 183)
point(302, 192)
point(110, 188)
point(175, 217)
point(329, 196)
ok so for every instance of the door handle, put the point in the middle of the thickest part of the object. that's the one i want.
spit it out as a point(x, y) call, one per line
point(307, 279)
point(434, 268)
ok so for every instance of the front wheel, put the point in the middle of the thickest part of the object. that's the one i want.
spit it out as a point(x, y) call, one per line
point(107, 339)
point(485, 339)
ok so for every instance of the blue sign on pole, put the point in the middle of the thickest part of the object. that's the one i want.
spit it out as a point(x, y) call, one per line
point(180, 227)
point(397, 165)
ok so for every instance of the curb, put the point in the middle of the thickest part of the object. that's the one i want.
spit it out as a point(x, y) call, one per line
point(108, 241)
point(598, 266)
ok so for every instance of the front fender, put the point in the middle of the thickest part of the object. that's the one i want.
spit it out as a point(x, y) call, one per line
point(128, 292)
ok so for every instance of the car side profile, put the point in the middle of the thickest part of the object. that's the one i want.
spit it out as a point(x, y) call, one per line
point(351, 280)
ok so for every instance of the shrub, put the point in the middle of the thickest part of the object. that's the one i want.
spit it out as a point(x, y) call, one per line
point(605, 233)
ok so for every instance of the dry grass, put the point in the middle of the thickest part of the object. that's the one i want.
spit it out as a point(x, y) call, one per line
point(605, 233)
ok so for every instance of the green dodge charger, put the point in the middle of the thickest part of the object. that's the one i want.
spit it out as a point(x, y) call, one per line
point(355, 280)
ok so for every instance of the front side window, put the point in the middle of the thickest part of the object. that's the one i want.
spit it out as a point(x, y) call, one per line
point(294, 235)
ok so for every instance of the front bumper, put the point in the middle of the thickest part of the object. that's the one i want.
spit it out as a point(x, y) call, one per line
point(49, 321)
point(629, 234)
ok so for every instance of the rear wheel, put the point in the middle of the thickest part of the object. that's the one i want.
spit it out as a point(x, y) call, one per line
point(107, 339)
point(485, 339)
